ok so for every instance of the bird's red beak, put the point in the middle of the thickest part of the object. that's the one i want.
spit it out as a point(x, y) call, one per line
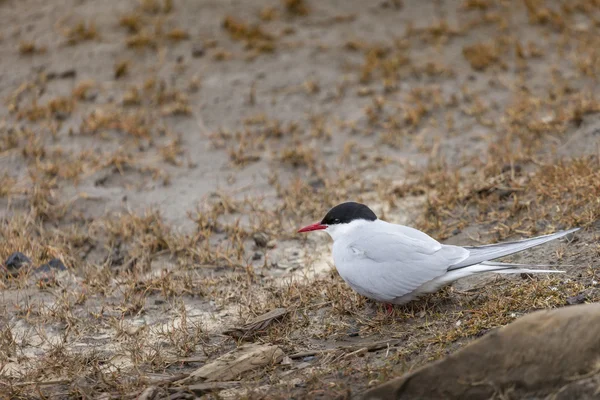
point(313, 227)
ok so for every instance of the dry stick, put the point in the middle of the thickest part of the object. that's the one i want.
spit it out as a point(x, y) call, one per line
point(204, 387)
point(45, 383)
point(373, 346)
point(191, 359)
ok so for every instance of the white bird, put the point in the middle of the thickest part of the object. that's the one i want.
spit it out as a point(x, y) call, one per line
point(395, 263)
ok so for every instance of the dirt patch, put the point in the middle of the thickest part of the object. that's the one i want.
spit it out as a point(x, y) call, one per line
point(167, 151)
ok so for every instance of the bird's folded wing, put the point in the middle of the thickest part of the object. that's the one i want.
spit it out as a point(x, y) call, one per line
point(397, 264)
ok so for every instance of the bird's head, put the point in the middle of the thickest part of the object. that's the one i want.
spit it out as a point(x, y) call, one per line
point(342, 218)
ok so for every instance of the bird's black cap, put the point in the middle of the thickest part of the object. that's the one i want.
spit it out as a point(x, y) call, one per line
point(348, 212)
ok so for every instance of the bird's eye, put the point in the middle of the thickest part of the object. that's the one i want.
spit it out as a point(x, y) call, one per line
point(337, 220)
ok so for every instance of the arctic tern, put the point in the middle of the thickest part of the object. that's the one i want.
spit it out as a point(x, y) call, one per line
point(396, 264)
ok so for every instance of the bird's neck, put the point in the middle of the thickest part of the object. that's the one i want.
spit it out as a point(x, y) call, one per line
point(340, 230)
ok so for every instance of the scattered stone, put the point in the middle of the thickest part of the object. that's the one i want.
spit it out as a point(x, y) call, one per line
point(578, 299)
point(354, 331)
point(257, 256)
point(394, 4)
point(60, 115)
point(537, 355)
point(235, 363)
point(286, 361)
point(526, 275)
point(47, 274)
point(317, 183)
point(260, 239)
point(66, 74)
point(198, 50)
point(90, 95)
point(286, 265)
point(15, 262)
point(53, 265)
point(510, 167)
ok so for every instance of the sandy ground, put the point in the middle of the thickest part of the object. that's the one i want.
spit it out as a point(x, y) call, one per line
point(166, 151)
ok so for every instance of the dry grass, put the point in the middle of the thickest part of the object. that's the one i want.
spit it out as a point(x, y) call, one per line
point(482, 55)
point(254, 37)
point(59, 108)
point(26, 47)
point(145, 26)
point(79, 32)
point(121, 69)
point(83, 89)
point(296, 7)
point(177, 34)
point(144, 302)
point(551, 198)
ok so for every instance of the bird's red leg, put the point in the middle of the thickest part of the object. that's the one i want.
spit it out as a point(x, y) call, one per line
point(389, 308)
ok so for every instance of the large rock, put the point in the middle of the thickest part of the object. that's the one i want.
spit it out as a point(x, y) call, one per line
point(546, 352)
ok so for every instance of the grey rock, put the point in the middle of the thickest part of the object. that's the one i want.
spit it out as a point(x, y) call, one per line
point(578, 299)
point(540, 355)
point(53, 265)
point(260, 239)
point(15, 262)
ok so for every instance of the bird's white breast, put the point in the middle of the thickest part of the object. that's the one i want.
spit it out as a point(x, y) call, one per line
point(360, 273)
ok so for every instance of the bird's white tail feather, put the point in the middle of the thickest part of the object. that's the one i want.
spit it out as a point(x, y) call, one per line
point(527, 271)
point(503, 264)
point(451, 276)
point(481, 254)
point(499, 268)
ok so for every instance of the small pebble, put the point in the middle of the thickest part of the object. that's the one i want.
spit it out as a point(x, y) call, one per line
point(69, 73)
point(54, 264)
point(15, 261)
point(260, 239)
point(579, 299)
point(198, 51)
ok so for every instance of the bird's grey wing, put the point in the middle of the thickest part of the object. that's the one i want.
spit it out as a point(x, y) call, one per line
point(396, 264)
point(479, 254)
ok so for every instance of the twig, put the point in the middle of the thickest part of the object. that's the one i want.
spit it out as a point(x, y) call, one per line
point(44, 383)
point(374, 346)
